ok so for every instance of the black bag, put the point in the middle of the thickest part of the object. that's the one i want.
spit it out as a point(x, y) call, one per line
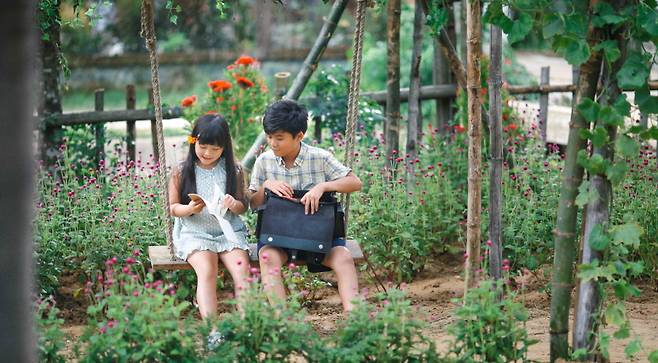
point(283, 223)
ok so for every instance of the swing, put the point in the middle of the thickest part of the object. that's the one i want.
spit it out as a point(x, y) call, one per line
point(162, 257)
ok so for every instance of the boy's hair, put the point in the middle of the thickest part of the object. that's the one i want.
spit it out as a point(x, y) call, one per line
point(211, 130)
point(285, 115)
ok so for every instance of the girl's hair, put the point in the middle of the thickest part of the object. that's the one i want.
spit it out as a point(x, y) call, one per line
point(211, 130)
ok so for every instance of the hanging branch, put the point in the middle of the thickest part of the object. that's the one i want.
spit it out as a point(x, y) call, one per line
point(473, 31)
point(414, 95)
point(496, 152)
point(305, 73)
point(392, 124)
point(148, 33)
point(566, 225)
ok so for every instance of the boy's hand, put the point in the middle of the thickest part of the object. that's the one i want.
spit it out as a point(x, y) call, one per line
point(311, 199)
point(279, 188)
point(196, 206)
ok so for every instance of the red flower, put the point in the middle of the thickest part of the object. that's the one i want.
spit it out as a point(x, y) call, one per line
point(233, 107)
point(219, 99)
point(512, 126)
point(245, 60)
point(211, 112)
point(244, 82)
point(188, 101)
point(230, 67)
point(219, 85)
point(459, 129)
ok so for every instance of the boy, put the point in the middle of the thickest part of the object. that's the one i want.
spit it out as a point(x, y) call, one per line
point(291, 164)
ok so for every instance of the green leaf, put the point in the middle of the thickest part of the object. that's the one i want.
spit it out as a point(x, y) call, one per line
point(635, 268)
point(586, 194)
point(609, 116)
point(599, 136)
point(628, 234)
point(634, 73)
point(589, 109)
point(610, 50)
point(173, 19)
point(552, 25)
point(645, 101)
point(606, 14)
point(614, 314)
point(576, 24)
point(632, 348)
point(598, 239)
point(622, 106)
point(520, 28)
point(617, 171)
point(623, 332)
point(648, 19)
point(651, 133)
point(626, 146)
point(590, 271)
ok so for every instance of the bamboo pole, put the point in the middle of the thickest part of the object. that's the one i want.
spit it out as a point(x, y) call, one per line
point(18, 43)
point(392, 124)
point(543, 104)
point(496, 152)
point(414, 93)
point(474, 50)
point(566, 225)
point(130, 124)
point(99, 129)
point(598, 211)
point(310, 64)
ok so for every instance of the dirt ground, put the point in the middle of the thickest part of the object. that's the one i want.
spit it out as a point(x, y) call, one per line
point(433, 291)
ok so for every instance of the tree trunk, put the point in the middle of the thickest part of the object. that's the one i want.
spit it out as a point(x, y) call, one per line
point(265, 18)
point(392, 125)
point(18, 43)
point(309, 66)
point(496, 151)
point(462, 38)
point(474, 50)
point(566, 225)
point(589, 302)
point(49, 102)
point(414, 95)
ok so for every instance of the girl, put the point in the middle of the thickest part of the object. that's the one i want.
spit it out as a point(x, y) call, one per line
point(198, 238)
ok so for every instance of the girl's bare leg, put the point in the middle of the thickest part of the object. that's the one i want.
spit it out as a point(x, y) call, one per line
point(205, 267)
point(271, 259)
point(236, 262)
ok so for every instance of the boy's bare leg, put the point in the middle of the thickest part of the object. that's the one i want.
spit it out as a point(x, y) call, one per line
point(236, 262)
point(340, 260)
point(205, 267)
point(271, 259)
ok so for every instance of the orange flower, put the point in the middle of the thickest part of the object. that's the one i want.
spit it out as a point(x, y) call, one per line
point(219, 99)
point(233, 107)
point(459, 129)
point(191, 139)
point(245, 60)
point(230, 67)
point(211, 112)
point(244, 82)
point(188, 101)
point(512, 127)
point(219, 85)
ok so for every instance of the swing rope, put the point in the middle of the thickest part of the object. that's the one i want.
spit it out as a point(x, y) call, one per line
point(353, 94)
point(148, 33)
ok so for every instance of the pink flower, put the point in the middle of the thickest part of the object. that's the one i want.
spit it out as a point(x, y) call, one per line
point(489, 243)
point(292, 266)
point(253, 270)
point(135, 293)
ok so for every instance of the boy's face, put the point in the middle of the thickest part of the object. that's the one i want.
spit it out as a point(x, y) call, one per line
point(284, 144)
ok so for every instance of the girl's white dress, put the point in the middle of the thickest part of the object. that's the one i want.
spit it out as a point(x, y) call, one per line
point(201, 232)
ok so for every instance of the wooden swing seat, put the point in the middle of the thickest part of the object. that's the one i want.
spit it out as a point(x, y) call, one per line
point(161, 258)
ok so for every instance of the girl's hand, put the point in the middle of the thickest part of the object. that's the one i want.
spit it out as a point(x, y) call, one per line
point(195, 206)
point(230, 203)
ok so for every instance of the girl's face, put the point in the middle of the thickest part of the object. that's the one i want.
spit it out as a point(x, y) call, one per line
point(208, 154)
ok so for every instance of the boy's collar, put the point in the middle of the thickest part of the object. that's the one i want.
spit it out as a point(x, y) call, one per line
point(298, 160)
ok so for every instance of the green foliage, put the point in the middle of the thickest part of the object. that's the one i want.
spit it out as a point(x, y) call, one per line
point(388, 331)
point(327, 92)
point(265, 332)
point(302, 283)
point(488, 328)
point(49, 328)
point(134, 317)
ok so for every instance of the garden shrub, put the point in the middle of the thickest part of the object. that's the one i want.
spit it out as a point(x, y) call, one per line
point(386, 331)
point(135, 318)
point(49, 327)
point(488, 328)
point(265, 332)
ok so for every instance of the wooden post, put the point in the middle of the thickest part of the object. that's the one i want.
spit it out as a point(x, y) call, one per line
point(18, 43)
point(442, 75)
point(414, 96)
point(130, 125)
point(543, 104)
point(99, 129)
point(154, 127)
point(317, 128)
point(474, 205)
point(281, 83)
point(392, 124)
point(496, 152)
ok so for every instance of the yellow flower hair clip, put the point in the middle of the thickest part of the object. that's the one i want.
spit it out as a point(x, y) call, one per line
point(191, 139)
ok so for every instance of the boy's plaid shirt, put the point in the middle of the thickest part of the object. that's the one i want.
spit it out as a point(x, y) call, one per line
point(311, 167)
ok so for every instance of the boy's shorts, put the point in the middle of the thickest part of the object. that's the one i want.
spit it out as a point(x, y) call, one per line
point(313, 260)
